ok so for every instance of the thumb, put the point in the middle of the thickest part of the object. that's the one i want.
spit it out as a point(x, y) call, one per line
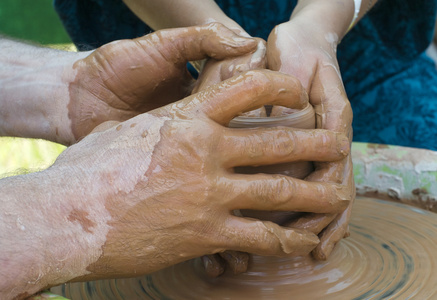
point(214, 40)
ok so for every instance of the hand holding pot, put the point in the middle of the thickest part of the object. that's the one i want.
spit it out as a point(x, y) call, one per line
point(124, 78)
point(159, 189)
point(302, 49)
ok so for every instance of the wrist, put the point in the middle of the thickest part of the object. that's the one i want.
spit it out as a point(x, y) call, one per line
point(325, 17)
point(34, 92)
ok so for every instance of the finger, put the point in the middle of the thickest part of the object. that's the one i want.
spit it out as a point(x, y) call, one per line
point(245, 92)
point(215, 71)
point(347, 232)
point(339, 173)
point(236, 261)
point(265, 238)
point(261, 146)
point(210, 75)
point(180, 45)
point(336, 231)
point(280, 193)
point(333, 112)
point(251, 61)
point(257, 60)
point(327, 95)
point(213, 264)
point(311, 222)
point(330, 172)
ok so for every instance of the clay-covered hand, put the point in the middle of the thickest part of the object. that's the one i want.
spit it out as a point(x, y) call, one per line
point(215, 71)
point(124, 78)
point(309, 53)
point(134, 197)
point(163, 189)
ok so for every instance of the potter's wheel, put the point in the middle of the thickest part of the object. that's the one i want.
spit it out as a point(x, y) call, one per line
point(391, 253)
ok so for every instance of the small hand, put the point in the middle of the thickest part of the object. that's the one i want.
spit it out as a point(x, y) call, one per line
point(305, 51)
point(165, 183)
point(124, 78)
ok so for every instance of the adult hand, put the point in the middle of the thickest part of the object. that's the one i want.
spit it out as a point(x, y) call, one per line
point(166, 178)
point(303, 49)
point(159, 189)
point(124, 78)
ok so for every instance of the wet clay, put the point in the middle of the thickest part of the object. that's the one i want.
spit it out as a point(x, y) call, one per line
point(390, 253)
point(165, 197)
point(147, 79)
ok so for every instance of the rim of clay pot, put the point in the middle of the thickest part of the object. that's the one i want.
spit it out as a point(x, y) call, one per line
point(283, 120)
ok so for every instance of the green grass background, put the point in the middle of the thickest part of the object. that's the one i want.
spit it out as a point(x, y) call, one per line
point(34, 20)
point(37, 21)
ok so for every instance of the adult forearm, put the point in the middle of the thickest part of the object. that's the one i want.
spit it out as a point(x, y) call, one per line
point(34, 91)
point(44, 239)
point(161, 14)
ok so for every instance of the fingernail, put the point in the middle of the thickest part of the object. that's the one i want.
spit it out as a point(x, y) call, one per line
point(240, 39)
point(328, 249)
point(213, 267)
point(347, 233)
point(343, 145)
point(318, 254)
point(323, 252)
point(251, 44)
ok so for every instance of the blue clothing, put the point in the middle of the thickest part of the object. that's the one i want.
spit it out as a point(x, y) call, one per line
point(391, 83)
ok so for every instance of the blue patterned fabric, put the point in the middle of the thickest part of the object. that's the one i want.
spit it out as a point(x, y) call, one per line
point(391, 83)
point(92, 23)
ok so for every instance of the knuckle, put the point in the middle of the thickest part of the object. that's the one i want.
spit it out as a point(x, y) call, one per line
point(250, 146)
point(275, 193)
point(285, 143)
point(253, 83)
point(209, 232)
point(284, 186)
point(258, 79)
